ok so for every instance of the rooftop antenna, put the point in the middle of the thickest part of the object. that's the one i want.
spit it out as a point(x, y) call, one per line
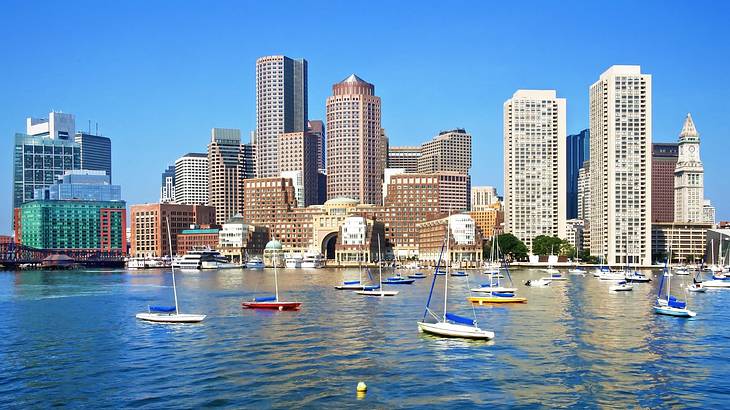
point(89, 126)
point(97, 129)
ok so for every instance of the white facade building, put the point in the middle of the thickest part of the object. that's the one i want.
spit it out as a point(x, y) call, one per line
point(534, 165)
point(354, 230)
point(708, 212)
point(191, 179)
point(297, 179)
point(483, 197)
point(689, 173)
point(574, 233)
point(463, 229)
point(387, 173)
point(620, 166)
point(57, 126)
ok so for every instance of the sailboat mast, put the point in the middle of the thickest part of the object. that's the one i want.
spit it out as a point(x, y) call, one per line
point(448, 262)
point(380, 268)
point(172, 265)
point(276, 277)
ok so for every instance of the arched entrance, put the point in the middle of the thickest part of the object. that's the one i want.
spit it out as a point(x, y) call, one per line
point(328, 245)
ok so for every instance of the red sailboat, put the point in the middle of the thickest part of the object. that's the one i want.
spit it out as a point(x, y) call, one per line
point(272, 302)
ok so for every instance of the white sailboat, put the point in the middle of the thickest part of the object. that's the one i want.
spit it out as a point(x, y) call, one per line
point(449, 324)
point(380, 292)
point(169, 314)
point(669, 305)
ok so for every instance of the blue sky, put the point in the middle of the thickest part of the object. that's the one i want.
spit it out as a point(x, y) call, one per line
point(157, 76)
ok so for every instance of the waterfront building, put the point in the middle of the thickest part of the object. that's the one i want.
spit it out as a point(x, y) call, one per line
point(84, 185)
point(191, 179)
point(148, 235)
point(281, 106)
point(534, 165)
point(574, 233)
point(684, 241)
point(663, 162)
point(238, 240)
point(358, 241)
point(354, 132)
point(405, 157)
point(316, 127)
point(689, 173)
point(450, 151)
point(73, 226)
point(412, 198)
point(197, 237)
point(483, 197)
point(621, 130)
point(267, 201)
point(298, 158)
point(578, 148)
point(465, 241)
point(225, 172)
point(96, 152)
point(43, 153)
point(708, 212)
point(167, 188)
point(387, 173)
point(488, 220)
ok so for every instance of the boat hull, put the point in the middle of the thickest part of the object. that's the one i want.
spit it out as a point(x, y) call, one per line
point(170, 318)
point(272, 305)
point(490, 289)
point(357, 287)
point(398, 282)
point(717, 284)
point(480, 300)
point(670, 311)
point(378, 293)
point(621, 288)
point(456, 331)
point(417, 276)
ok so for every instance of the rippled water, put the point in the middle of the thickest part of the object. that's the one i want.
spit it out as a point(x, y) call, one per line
point(70, 338)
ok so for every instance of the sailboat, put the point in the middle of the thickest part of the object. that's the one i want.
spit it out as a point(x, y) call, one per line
point(272, 302)
point(449, 324)
point(169, 314)
point(496, 294)
point(381, 292)
point(670, 305)
point(357, 284)
point(696, 285)
point(492, 266)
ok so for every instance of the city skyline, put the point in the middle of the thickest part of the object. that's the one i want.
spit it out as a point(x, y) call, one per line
point(173, 122)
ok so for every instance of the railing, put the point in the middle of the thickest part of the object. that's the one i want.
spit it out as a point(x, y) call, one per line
point(12, 254)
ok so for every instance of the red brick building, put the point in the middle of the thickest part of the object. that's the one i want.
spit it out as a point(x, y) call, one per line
point(201, 237)
point(663, 161)
point(149, 226)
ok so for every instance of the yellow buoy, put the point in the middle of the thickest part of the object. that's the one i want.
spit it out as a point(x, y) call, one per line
point(362, 387)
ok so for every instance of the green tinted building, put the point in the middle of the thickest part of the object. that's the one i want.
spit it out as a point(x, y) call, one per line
point(74, 225)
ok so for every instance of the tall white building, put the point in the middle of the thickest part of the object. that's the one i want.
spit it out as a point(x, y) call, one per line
point(620, 166)
point(534, 165)
point(281, 106)
point(167, 188)
point(191, 179)
point(689, 173)
point(708, 212)
point(58, 126)
point(482, 197)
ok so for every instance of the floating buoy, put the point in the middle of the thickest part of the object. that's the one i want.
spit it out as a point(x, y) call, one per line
point(362, 387)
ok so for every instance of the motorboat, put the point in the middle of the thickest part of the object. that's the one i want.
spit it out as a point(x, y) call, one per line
point(621, 287)
point(637, 277)
point(255, 263)
point(542, 282)
point(204, 258)
point(417, 275)
point(293, 261)
point(312, 260)
point(681, 270)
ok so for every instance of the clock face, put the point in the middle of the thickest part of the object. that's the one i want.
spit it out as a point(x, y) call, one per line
point(691, 149)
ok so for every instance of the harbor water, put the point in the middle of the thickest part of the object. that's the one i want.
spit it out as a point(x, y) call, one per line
point(70, 338)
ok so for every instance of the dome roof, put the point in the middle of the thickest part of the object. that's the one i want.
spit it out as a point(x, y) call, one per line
point(342, 201)
point(273, 245)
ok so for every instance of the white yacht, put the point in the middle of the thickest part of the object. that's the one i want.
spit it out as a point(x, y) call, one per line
point(293, 261)
point(255, 263)
point(147, 263)
point(312, 260)
point(205, 258)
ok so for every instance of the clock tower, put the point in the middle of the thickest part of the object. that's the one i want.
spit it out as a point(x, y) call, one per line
point(688, 176)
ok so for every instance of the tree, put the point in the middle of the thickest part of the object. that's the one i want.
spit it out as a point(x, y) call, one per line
point(546, 245)
point(511, 246)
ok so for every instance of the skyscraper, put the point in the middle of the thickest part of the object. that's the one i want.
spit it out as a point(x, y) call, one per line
point(316, 127)
point(620, 170)
point(167, 188)
point(44, 153)
point(225, 173)
point(578, 152)
point(534, 165)
point(689, 188)
point(281, 106)
point(450, 151)
point(96, 152)
point(191, 179)
point(354, 141)
point(249, 161)
point(663, 162)
point(298, 153)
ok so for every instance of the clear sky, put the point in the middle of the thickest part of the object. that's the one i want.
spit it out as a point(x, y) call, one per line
point(158, 75)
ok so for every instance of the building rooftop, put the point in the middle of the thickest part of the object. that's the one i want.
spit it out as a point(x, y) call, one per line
point(199, 231)
point(688, 129)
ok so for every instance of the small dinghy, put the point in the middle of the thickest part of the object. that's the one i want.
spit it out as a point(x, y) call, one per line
point(397, 280)
point(417, 275)
point(357, 284)
point(379, 292)
point(621, 287)
point(459, 274)
point(697, 288)
point(272, 302)
point(542, 282)
point(496, 297)
point(670, 305)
